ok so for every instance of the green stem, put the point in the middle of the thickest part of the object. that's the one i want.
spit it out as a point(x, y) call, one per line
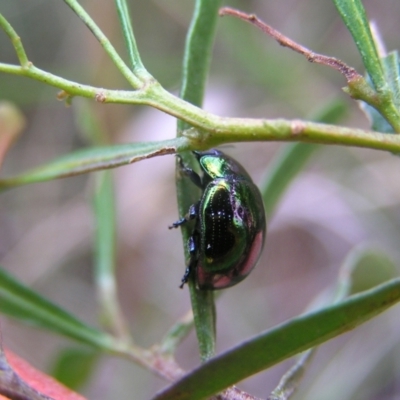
point(127, 30)
point(74, 88)
point(197, 56)
point(289, 382)
point(176, 334)
point(105, 43)
point(355, 18)
point(204, 316)
point(104, 209)
point(15, 40)
point(198, 49)
point(218, 130)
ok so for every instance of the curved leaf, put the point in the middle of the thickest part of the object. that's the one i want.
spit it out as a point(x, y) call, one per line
point(354, 17)
point(93, 159)
point(281, 342)
point(391, 66)
point(21, 302)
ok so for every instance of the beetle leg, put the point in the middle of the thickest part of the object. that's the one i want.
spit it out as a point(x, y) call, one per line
point(180, 222)
point(194, 177)
point(192, 248)
point(192, 214)
point(185, 278)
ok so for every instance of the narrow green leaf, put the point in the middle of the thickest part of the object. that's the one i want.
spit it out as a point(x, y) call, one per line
point(93, 159)
point(377, 120)
point(127, 30)
point(391, 67)
point(363, 268)
point(291, 379)
point(196, 63)
point(22, 303)
point(355, 18)
point(105, 43)
point(282, 342)
point(198, 49)
point(15, 40)
point(204, 315)
point(105, 241)
point(103, 205)
point(176, 334)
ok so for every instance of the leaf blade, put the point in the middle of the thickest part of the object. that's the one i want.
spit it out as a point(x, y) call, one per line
point(196, 63)
point(282, 342)
point(22, 303)
point(354, 16)
point(92, 159)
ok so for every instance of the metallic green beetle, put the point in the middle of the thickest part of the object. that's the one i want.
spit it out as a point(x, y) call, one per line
point(230, 225)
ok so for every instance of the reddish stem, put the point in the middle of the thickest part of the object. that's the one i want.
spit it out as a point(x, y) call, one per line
point(349, 73)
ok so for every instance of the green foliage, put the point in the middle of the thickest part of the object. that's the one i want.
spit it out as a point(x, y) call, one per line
point(366, 284)
point(292, 337)
point(354, 16)
point(23, 303)
point(89, 160)
point(391, 68)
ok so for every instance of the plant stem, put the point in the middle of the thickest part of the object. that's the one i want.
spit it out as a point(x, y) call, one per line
point(127, 30)
point(176, 334)
point(358, 88)
point(217, 130)
point(198, 48)
point(349, 72)
point(15, 40)
point(197, 56)
point(105, 43)
point(354, 17)
point(104, 210)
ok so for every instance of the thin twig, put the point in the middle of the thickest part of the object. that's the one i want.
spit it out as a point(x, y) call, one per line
point(15, 40)
point(135, 82)
point(349, 73)
point(133, 52)
point(292, 378)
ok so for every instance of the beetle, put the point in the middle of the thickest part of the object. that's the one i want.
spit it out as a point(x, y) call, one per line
point(229, 222)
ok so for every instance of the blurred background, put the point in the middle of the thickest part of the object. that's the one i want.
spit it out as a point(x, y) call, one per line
point(344, 198)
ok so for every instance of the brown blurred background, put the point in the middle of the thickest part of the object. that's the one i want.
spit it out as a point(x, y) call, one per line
point(345, 197)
